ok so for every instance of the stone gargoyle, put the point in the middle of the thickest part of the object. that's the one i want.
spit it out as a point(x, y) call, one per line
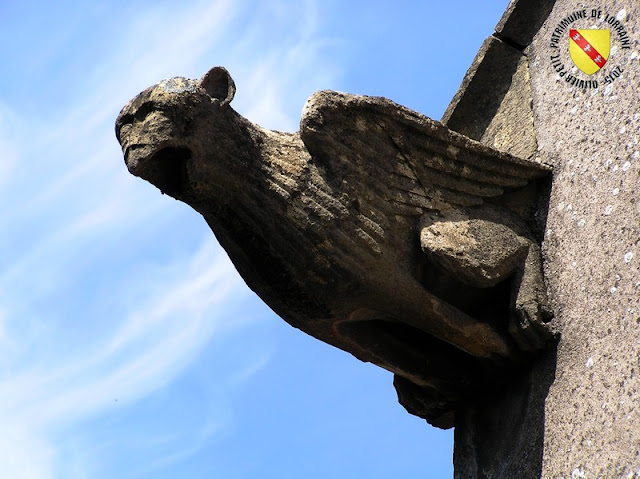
point(374, 228)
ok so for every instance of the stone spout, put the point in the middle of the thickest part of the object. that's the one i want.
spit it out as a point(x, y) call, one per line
point(374, 229)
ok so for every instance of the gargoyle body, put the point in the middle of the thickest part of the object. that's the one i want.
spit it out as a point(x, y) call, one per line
point(374, 228)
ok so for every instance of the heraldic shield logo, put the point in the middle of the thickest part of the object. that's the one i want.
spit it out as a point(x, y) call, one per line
point(589, 48)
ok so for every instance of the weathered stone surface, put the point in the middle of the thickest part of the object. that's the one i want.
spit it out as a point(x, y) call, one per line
point(592, 252)
point(493, 104)
point(501, 435)
point(575, 413)
point(521, 21)
point(374, 229)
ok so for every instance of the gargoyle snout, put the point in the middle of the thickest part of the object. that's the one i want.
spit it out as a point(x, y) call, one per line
point(159, 129)
point(150, 152)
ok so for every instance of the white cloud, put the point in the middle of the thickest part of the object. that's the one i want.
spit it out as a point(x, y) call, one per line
point(24, 454)
point(154, 344)
point(68, 200)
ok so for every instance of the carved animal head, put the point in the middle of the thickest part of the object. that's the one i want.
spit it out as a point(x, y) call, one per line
point(166, 125)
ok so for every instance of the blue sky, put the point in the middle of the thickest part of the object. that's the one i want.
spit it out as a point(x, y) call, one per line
point(130, 348)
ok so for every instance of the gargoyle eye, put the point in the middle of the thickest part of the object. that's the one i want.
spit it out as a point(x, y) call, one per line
point(124, 120)
point(140, 114)
point(219, 85)
point(143, 111)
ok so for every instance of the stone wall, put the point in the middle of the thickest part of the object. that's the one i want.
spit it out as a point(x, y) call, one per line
point(577, 413)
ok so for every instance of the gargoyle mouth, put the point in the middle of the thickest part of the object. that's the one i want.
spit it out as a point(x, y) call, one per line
point(166, 169)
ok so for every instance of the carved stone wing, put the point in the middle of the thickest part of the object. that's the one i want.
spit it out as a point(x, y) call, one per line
point(415, 163)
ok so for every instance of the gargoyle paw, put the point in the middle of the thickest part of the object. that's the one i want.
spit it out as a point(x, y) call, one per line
point(530, 326)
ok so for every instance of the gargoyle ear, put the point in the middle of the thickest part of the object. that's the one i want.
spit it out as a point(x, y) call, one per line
point(219, 85)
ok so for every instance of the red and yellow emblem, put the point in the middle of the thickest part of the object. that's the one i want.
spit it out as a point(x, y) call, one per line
point(589, 49)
